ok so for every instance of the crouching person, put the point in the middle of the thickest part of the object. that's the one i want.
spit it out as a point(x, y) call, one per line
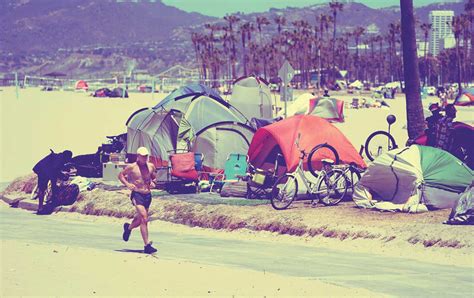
point(49, 169)
point(138, 177)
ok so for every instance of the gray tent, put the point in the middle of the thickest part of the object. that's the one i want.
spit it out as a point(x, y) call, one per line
point(219, 140)
point(176, 127)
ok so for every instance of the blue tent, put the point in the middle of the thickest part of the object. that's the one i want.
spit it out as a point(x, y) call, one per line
point(186, 90)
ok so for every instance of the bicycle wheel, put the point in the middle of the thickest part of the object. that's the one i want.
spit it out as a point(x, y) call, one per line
point(378, 143)
point(318, 153)
point(284, 192)
point(47, 193)
point(352, 176)
point(332, 187)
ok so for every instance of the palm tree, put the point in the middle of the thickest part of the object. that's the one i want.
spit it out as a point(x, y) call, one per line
point(280, 21)
point(246, 35)
point(426, 28)
point(335, 6)
point(357, 33)
point(261, 21)
point(231, 21)
point(415, 119)
point(457, 26)
point(394, 31)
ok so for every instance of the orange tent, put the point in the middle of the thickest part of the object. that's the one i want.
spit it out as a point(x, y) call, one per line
point(81, 85)
point(280, 137)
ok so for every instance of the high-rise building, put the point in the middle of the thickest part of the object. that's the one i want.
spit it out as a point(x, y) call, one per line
point(441, 28)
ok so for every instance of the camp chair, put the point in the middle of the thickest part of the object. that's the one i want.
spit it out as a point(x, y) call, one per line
point(355, 103)
point(183, 171)
point(235, 168)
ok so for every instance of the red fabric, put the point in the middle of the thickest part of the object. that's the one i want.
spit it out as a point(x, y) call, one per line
point(314, 131)
point(183, 162)
point(421, 140)
point(183, 166)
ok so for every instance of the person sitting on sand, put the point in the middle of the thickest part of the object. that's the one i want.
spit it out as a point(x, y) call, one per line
point(444, 129)
point(50, 169)
point(432, 122)
point(138, 177)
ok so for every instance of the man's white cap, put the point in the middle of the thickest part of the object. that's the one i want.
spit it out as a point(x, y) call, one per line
point(142, 151)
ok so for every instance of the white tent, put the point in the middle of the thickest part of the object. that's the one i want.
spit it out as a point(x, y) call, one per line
point(252, 97)
point(300, 106)
point(356, 84)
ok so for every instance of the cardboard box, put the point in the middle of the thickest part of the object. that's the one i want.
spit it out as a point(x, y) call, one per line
point(110, 170)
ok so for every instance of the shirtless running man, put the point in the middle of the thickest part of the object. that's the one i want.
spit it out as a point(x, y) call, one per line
point(138, 177)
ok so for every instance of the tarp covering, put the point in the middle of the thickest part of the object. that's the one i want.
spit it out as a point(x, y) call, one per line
point(463, 212)
point(434, 176)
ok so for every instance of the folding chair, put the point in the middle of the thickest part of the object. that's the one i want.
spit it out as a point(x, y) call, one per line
point(182, 171)
point(235, 168)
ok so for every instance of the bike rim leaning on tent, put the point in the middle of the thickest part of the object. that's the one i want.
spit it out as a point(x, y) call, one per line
point(284, 192)
point(378, 143)
point(327, 151)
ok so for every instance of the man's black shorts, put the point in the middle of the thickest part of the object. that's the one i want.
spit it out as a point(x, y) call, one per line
point(141, 199)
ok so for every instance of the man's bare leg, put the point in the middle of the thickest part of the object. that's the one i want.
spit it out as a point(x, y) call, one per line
point(135, 222)
point(143, 222)
point(40, 199)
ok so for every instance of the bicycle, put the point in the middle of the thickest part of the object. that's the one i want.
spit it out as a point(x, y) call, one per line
point(69, 170)
point(329, 188)
point(380, 141)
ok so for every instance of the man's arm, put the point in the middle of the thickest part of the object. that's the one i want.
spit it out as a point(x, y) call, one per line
point(122, 177)
point(152, 175)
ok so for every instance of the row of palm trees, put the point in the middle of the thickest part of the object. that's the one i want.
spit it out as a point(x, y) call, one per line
point(236, 47)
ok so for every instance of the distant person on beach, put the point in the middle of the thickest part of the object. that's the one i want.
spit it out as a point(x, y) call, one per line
point(50, 169)
point(326, 93)
point(432, 122)
point(444, 129)
point(138, 177)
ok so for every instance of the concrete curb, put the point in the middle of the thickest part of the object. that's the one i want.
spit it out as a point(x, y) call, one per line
point(29, 204)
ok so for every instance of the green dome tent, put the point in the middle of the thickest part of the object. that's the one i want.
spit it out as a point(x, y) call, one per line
point(413, 175)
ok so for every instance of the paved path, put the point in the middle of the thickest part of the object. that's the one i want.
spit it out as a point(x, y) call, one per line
point(393, 276)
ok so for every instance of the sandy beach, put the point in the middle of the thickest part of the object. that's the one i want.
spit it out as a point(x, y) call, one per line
point(59, 120)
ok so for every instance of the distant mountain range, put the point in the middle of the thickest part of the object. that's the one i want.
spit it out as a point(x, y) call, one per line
point(32, 25)
point(82, 37)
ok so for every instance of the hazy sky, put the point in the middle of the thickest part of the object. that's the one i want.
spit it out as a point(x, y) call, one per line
point(219, 8)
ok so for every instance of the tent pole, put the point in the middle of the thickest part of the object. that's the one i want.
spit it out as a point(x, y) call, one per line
point(153, 88)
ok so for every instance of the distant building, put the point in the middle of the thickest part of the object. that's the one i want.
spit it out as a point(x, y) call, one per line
point(421, 45)
point(448, 42)
point(372, 29)
point(441, 29)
